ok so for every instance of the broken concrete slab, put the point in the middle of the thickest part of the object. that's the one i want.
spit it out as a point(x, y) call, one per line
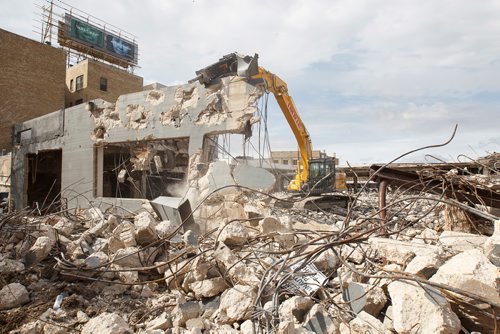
point(411, 304)
point(217, 176)
point(253, 177)
point(401, 251)
point(96, 260)
point(13, 295)
point(471, 271)
point(460, 241)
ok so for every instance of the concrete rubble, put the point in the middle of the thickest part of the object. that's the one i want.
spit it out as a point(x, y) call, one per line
point(221, 256)
point(139, 273)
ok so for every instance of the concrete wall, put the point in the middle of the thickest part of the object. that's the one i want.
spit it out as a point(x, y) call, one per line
point(119, 82)
point(31, 81)
point(189, 110)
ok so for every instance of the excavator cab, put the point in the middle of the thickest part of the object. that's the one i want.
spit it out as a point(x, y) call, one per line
point(321, 176)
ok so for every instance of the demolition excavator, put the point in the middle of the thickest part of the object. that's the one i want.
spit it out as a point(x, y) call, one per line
point(315, 176)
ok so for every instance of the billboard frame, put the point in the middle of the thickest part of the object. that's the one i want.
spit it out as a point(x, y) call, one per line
point(88, 38)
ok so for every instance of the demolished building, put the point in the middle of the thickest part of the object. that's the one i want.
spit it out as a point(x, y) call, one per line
point(147, 144)
point(112, 257)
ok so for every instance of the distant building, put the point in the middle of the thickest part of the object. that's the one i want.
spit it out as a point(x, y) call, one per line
point(31, 79)
point(292, 157)
point(90, 79)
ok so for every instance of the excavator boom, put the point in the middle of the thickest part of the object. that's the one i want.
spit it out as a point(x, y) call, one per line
point(280, 91)
point(247, 67)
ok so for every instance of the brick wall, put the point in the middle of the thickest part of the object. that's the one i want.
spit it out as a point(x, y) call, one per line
point(32, 81)
point(119, 82)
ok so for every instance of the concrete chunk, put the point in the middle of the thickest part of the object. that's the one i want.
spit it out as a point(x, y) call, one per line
point(233, 234)
point(424, 266)
point(209, 287)
point(364, 323)
point(38, 251)
point(400, 251)
point(10, 266)
point(64, 226)
point(217, 176)
point(166, 228)
point(471, 271)
point(185, 311)
point(106, 323)
point(419, 310)
point(163, 321)
point(460, 241)
point(236, 303)
point(295, 308)
point(128, 257)
point(13, 295)
point(96, 260)
point(145, 228)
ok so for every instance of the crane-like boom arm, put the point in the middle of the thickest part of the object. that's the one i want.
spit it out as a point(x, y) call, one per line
point(280, 90)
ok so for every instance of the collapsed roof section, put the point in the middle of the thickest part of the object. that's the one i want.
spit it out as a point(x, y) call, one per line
point(113, 152)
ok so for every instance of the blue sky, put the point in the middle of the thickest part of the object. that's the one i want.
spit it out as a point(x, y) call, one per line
point(371, 79)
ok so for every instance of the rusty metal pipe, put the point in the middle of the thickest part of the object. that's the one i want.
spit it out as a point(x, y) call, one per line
point(382, 195)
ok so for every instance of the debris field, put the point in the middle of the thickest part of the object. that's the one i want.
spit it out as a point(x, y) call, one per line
point(257, 264)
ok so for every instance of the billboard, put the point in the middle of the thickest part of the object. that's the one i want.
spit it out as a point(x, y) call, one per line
point(81, 36)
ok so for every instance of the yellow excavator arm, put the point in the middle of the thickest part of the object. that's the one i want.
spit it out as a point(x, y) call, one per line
point(280, 90)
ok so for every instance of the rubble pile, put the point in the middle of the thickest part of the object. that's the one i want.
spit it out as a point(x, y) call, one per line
point(251, 267)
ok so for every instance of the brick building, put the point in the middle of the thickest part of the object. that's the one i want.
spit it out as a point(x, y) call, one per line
point(89, 80)
point(291, 157)
point(32, 82)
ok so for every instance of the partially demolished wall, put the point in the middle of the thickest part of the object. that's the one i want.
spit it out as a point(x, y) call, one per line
point(112, 151)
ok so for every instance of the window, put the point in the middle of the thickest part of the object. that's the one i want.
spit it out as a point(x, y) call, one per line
point(276, 161)
point(285, 162)
point(295, 162)
point(79, 82)
point(104, 84)
point(71, 87)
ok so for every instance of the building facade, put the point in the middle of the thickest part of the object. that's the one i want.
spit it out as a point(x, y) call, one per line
point(292, 157)
point(90, 79)
point(32, 81)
